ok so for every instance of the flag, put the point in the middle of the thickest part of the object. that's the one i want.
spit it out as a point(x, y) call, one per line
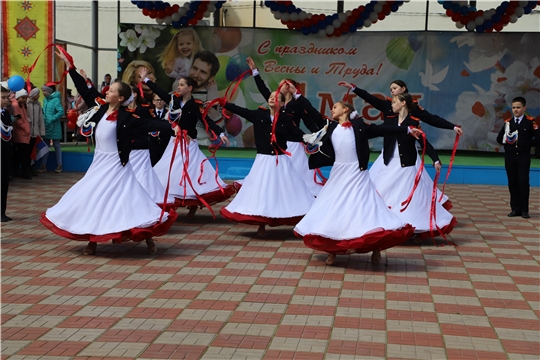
point(39, 150)
point(27, 29)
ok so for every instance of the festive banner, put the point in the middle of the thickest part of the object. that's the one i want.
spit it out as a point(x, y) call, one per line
point(27, 28)
point(469, 79)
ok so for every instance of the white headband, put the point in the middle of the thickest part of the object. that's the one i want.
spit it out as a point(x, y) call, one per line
point(128, 101)
point(353, 115)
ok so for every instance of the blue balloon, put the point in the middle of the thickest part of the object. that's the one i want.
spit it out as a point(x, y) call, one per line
point(480, 29)
point(268, 3)
point(353, 28)
point(237, 65)
point(456, 8)
point(273, 6)
point(140, 4)
point(394, 7)
point(218, 5)
point(190, 14)
point(134, 2)
point(500, 10)
point(15, 83)
point(282, 8)
point(149, 5)
point(176, 24)
point(322, 24)
point(194, 5)
point(464, 10)
point(488, 24)
point(496, 18)
point(369, 8)
point(166, 5)
point(314, 29)
point(306, 31)
point(364, 15)
point(183, 21)
point(359, 23)
point(291, 8)
point(441, 2)
point(527, 10)
point(447, 5)
point(505, 4)
point(158, 5)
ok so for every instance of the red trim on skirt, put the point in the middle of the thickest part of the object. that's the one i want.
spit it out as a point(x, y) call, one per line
point(379, 240)
point(258, 220)
point(135, 234)
point(211, 198)
point(447, 205)
point(445, 230)
point(237, 186)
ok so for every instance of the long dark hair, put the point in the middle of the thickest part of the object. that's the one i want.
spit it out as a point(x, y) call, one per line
point(124, 90)
point(411, 105)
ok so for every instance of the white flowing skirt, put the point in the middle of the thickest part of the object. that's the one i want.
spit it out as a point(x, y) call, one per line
point(300, 162)
point(348, 207)
point(202, 184)
point(394, 183)
point(272, 191)
point(147, 177)
point(108, 199)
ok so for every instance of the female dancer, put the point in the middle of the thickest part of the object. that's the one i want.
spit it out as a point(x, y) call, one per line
point(111, 205)
point(385, 106)
point(200, 185)
point(140, 154)
point(349, 216)
point(266, 196)
point(395, 178)
point(291, 108)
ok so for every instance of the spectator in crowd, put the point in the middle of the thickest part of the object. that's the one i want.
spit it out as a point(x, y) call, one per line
point(106, 82)
point(37, 123)
point(53, 112)
point(21, 136)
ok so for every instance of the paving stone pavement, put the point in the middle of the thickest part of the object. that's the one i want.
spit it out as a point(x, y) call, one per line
point(216, 291)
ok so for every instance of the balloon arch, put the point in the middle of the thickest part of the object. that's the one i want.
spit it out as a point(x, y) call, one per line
point(464, 15)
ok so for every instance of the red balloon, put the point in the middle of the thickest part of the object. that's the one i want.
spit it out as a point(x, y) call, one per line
point(290, 25)
point(498, 26)
point(315, 19)
point(361, 8)
point(512, 5)
point(344, 27)
point(387, 9)
point(356, 13)
point(298, 24)
point(449, 12)
point(193, 21)
point(350, 20)
point(322, 17)
point(153, 14)
point(337, 33)
point(307, 23)
point(464, 20)
point(456, 17)
point(505, 19)
point(161, 14)
point(175, 8)
point(203, 7)
point(145, 12)
point(489, 30)
point(381, 16)
point(287, 3)
point(471, 16)
point(480, 13)
point(284, 22)
point(72, 116)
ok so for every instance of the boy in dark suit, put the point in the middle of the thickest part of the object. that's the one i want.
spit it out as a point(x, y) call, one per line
point(518, 136)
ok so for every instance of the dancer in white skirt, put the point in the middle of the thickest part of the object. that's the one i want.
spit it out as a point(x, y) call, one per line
point(111, 204)
point(394, 179)
point(271, 194)
point(385, 106)
point(294, 110)
point(349, 216)
point(200, 185)
point(140, 154)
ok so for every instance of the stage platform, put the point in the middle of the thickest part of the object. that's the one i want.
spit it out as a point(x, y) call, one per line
point(469, 167)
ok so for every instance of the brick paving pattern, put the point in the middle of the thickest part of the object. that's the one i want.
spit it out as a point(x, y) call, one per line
point(216, 291)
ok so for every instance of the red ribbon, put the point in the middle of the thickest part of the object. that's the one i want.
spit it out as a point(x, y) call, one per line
point(139, 85)
point(454, 149)
point(62, 50)
point(346, 97)
point(418, 176)
point(318, 174)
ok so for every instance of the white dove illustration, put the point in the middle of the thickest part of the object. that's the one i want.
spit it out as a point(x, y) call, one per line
point(429, 79)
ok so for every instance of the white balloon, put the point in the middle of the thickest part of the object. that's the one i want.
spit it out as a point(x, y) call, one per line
point(302, 16)
point(459, 25)
point(367, 23)
point(471, 25)
point(523, 3)
point(182, 11)
point(342, 17)
point(336, 23)
point(309, 15)
point(211, 7)
point(186, 5)
point(487, 14)
point(294, 16)
point(175, 16)
point(479, 20)
point(277, 15)
point(348, 13)
point(285, 17)
point(519, 11)
point(377, 8)
point(373, 16)
point(167, 20)
point(513, 18)
point(159, 21)
point(329, 29)
point(207, 13)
